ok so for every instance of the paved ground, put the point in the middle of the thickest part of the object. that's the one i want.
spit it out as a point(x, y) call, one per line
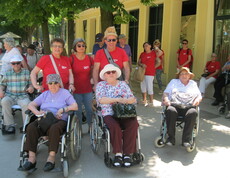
point(210, 159)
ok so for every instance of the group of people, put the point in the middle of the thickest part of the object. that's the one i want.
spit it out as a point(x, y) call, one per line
point(107, 73)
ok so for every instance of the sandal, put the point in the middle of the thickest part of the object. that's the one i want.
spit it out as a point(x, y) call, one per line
point(127, 160)
point(117, 161)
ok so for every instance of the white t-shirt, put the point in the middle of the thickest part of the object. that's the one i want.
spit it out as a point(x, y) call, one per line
point(32, 60)
point(6, 59)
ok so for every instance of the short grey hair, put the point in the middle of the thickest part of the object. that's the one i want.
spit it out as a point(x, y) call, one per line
point(10, 41)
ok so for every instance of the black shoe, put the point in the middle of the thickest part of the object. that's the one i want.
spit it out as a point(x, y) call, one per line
point(10, 130)
point(48, 166)
point(127, 160)
point(170, 142)
point(28, 166)
point(117, 161)
point(215, 103)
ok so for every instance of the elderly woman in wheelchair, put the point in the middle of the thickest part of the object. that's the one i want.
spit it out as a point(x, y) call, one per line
point(181, 97)
point(54, 105)
point(113, 91)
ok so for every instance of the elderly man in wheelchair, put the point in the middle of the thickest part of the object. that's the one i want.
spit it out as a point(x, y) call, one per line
point(113, 91)
point(181, 97)
point(54, 105)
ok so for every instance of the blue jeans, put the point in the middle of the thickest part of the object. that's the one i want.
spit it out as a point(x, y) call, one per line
point(158, 77)
point(86, 99)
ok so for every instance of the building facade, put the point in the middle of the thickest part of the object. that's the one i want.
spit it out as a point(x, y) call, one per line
point(205, 23)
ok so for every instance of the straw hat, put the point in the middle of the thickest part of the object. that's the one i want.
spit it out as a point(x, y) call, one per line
point(187, 70)
point(110, 31)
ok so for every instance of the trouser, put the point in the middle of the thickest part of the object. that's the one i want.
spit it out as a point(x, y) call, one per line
point(86, 99)
point(204, 83)
point(7, 102)
point(147, 84)
point(189, 116)
point(122, 141)
point(158, 77)
point(218, 85)
point(34, 133)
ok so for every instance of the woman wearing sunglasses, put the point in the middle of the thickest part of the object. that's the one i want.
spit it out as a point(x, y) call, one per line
point(111, 91)
point(82, 66)
point(57, 102)
point(45, 64)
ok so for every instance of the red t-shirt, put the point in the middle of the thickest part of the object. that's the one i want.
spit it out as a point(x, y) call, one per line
point(161, 58)
point(212, 67)
point(119, 56)
point(47, 68)
point(149, 60)
point(82, 73)
point(183, 56)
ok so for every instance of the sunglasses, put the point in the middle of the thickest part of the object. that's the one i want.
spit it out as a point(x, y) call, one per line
point(111, 72)
point(16, 63)
point(53, 83)
point(57, 46)
point(79, 46)
point(111, 40)
point(184, 43)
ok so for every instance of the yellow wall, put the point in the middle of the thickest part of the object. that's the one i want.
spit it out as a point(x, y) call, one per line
point(199, 32)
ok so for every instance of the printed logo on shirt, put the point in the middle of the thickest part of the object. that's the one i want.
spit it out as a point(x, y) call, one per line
point(63, 67)
point(148, 57)
point(115, 60)
point(85, 67)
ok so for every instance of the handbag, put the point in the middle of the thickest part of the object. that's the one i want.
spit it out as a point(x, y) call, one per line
point(139, 74)
point(124, 110)
point(45, 122)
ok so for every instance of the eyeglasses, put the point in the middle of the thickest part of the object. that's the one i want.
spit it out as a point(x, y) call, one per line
point(184, 43)
point(111, 72)
point(57, 46)
point(53, 83)
point(79, 46)
point(15, 63)
point(184, 73)
point(111, 40)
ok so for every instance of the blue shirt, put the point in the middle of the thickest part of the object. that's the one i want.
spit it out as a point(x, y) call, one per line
point(96, 47)
point(126, 48)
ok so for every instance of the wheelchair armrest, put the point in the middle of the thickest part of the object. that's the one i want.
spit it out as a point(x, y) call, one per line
point(28, 111)
point(70, 112)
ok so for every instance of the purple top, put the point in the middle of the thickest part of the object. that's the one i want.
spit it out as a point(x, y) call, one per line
point(103, 89)
point(53, 102)
point(126, 48)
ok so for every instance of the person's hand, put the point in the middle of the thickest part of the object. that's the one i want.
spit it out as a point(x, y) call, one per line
point(166, 102)
point(41, 112)
point(207, 77)
point(59, 113)
point(30, 89)
point(2, 94)
point(39, 88)
point(143, 65)
point(72, 88)
point(131, 100)
point(196, 102)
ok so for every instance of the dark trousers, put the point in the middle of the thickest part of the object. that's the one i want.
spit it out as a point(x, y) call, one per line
point(122, 141)
point(189, 116)
point(218, 85)
point(34, 133)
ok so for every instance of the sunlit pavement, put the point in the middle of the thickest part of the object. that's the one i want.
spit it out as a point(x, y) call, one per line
point(210, 159)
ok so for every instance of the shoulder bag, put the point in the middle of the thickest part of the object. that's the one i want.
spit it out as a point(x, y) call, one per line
point(123, 111)
point(56, 69)
point(139, 74)
point(45, 122)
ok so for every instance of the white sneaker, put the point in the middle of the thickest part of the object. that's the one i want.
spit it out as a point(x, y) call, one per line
point(186, 144)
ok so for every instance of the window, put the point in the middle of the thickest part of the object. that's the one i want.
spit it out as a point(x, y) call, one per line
point(118, 28)
point(155, 23)
point(222, 30)
point(133, 35)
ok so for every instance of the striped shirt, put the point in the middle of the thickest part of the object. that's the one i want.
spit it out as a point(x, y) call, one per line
point(16, 83)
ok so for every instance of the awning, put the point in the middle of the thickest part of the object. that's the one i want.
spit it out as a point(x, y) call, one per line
point(10, 34)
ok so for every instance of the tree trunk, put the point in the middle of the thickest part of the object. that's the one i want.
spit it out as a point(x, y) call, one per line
point(107, 19)
point(63, 29)
point(70, 35)
point(45, 35)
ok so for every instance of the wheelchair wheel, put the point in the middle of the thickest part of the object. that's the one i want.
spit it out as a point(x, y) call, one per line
point(65, 168)
point(94, 134)
point(159, 143)
point(191, 148)
point(138, 158)
point(221, 110)
point(108, 160)
point(75, 138)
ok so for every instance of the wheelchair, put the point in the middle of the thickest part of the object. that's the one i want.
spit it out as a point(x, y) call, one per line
point(70, 141)
point(161, 140)
point(99, 135)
